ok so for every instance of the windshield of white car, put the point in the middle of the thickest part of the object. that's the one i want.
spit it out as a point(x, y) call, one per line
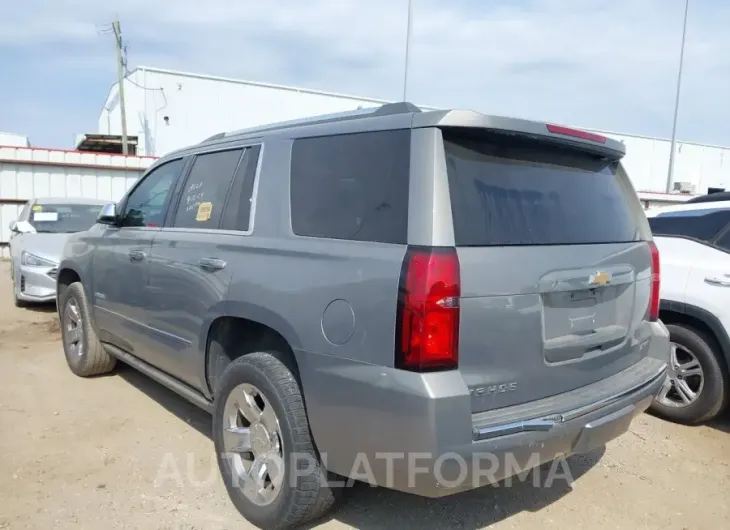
point(63, 218)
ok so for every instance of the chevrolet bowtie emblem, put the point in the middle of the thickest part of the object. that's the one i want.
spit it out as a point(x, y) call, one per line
point(599, 279)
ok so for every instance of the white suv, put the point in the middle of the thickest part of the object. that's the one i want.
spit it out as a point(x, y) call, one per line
point(694, 248)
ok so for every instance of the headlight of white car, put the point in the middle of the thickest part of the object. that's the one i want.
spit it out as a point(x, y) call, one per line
point(26, 258)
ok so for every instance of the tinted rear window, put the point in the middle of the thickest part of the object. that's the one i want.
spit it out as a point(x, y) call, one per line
point(511, 191)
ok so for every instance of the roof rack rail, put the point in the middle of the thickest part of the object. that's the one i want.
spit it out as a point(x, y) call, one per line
point(214, 137)
point(401, 107)
point(386, 109)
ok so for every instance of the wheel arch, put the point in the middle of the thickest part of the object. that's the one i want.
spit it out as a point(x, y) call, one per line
point(671, 312)
point(242, 329)
point(67, 274)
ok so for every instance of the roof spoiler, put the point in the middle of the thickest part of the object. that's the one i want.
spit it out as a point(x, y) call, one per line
point(570, 136)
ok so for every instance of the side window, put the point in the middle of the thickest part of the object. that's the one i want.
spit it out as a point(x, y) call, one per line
point(147, 203)
point(701, 224)
point(724, 240)
point(351, 186)
point(237, 212)
point(204, 194)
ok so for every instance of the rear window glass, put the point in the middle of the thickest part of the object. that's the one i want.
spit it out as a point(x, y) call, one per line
point(512, 191)
point(701, 224)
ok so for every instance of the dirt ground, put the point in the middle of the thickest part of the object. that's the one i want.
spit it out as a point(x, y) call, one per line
point(123, 452)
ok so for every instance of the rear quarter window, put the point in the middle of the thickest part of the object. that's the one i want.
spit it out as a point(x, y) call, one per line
point(352, 187)
point(512, 191)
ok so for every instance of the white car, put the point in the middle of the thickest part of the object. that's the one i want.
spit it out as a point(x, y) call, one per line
point(37, 239)
point(694, 251)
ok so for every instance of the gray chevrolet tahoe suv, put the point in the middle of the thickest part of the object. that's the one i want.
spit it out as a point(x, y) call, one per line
point(389, 295)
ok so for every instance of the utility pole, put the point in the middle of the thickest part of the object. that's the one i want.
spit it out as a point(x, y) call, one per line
point(670, 173)
point(408, 48)
point(120, 73)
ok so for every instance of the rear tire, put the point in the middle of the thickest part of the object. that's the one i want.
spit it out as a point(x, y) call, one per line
point(279, 428)
point(711, 387)
point(85, 355)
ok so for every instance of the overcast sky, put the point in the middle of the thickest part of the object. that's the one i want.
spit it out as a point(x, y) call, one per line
point(606, 64)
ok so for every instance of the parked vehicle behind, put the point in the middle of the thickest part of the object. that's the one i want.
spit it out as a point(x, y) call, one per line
point(694, 244)
point(37, 239)
point(382, 289)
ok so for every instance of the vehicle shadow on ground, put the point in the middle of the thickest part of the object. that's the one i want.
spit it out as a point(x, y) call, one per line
point(183, 409)
point(721, 423)
point(373, 508)
point(48, 307)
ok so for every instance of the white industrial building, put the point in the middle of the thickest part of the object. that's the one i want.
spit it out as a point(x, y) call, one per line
point(168, 109)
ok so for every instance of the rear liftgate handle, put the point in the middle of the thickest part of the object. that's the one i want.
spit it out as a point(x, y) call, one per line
point(211, 264)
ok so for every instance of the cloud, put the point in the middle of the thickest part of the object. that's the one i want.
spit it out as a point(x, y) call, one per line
point(595, 63)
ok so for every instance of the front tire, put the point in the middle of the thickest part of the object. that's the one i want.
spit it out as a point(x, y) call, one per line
point(85, 355)
point(697, 387)
point(261, 433)
point(18, 301)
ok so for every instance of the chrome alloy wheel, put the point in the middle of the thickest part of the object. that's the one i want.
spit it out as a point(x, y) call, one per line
point(73, 324)
point(253, 444)
point(685, 379)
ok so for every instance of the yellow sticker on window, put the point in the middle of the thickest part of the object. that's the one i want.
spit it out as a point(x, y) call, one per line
point(37, 208)
point(205, 210)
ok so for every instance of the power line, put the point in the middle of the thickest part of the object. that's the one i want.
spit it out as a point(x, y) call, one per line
point(121, 65)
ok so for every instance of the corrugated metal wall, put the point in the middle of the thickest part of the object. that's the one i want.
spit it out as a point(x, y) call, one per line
point(27, 173)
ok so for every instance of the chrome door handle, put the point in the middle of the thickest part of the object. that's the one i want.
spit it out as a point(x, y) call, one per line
point(211, 264)
point(136, 255)
point(720, 281)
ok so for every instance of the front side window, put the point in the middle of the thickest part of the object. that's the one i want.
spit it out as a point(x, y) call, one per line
point(147, 203)
point(63, 218)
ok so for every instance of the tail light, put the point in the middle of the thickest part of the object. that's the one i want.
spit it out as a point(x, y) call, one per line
point(576, 133)
point(427, 333)
point(655, 282)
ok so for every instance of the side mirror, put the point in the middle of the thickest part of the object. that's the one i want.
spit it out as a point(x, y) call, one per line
point(108, 214)
point(21, 227)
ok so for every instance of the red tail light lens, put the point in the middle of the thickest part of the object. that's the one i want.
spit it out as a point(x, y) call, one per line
point(576, 133)
point(427, 335)
point(655, 282)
